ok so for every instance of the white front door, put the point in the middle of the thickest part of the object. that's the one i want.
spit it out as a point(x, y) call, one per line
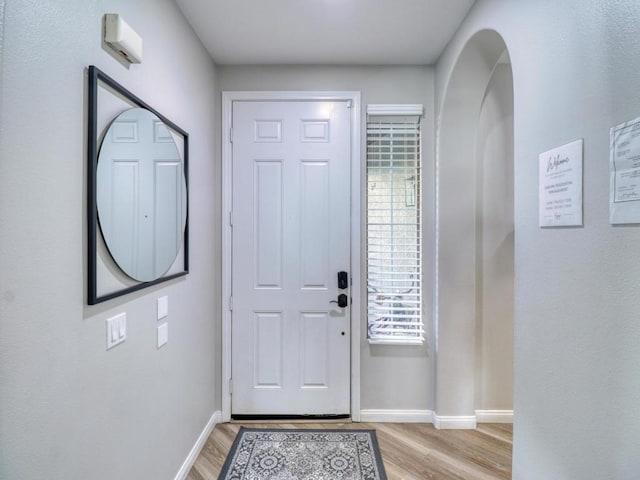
point(290, 238)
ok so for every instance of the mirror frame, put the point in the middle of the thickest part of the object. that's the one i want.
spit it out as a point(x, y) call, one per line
point(95, 78)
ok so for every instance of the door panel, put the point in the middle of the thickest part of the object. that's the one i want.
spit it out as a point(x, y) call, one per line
point(291, 235)
point(124, 196)
point(267, 358)
point(314, 350)
point(267, 222)
point(314, 229)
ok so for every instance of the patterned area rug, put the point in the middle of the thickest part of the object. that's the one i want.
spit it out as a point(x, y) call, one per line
point(261, 454)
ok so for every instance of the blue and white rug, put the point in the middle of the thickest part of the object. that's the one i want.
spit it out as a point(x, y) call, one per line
point(266, 454)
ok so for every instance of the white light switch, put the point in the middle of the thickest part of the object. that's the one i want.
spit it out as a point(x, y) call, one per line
point(163, 307)
point(116, 330)
point(163, 334)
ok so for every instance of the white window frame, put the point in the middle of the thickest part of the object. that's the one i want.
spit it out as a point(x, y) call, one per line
point(404, 110)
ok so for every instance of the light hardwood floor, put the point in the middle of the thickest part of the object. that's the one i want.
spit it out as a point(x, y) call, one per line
point(410, 451)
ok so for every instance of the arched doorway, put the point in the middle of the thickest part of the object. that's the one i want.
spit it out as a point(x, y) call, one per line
point(474, 237)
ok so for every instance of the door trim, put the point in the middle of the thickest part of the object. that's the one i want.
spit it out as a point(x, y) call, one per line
point(356, 227)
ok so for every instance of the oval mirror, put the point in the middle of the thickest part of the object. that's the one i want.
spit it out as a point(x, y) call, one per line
point(141, 194)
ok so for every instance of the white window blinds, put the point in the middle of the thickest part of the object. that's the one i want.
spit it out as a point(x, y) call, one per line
point(394, 255)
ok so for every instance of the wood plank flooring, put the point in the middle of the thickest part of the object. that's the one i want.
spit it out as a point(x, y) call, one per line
point(410, 451)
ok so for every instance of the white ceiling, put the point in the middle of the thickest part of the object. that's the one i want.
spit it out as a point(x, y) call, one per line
point(361, 32)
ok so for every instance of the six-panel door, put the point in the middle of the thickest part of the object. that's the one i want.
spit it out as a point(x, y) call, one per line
point(291, 236)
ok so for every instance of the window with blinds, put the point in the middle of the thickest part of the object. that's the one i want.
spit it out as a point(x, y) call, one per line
point(394, 256)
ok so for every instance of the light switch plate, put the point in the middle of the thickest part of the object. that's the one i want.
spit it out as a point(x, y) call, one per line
point(163, 334)
point(163, 307)
point(116, 330)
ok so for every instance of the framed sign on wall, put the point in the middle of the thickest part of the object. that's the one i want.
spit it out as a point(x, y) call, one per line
point(560, 186)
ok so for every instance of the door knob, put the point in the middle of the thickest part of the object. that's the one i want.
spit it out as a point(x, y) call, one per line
point(342, 301)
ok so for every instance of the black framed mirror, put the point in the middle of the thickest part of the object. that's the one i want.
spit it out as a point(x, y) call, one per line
point(137, 193)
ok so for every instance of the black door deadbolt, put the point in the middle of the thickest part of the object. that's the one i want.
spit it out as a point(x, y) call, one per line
point(343, 280)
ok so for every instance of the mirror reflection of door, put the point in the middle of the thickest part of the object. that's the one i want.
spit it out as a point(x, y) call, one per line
point(141, 194)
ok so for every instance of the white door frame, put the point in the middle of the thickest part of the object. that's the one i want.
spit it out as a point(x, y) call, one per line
point(227, 109)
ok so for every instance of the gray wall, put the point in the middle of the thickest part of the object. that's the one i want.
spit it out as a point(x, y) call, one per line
point(576, 289)
point(459, 251)
point(69, 409)
point(392, 377)
point(494, 245)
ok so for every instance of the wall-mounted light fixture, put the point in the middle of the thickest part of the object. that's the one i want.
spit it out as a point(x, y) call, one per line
point(122, 38)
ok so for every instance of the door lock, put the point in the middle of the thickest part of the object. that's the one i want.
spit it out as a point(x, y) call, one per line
point(342, 301)
point(343, 280)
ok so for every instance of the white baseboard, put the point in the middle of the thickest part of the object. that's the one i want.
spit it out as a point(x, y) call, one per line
point(442, 422)
point(457, 422)
point(396, 416)
point(195, 451)
point(494, 416)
